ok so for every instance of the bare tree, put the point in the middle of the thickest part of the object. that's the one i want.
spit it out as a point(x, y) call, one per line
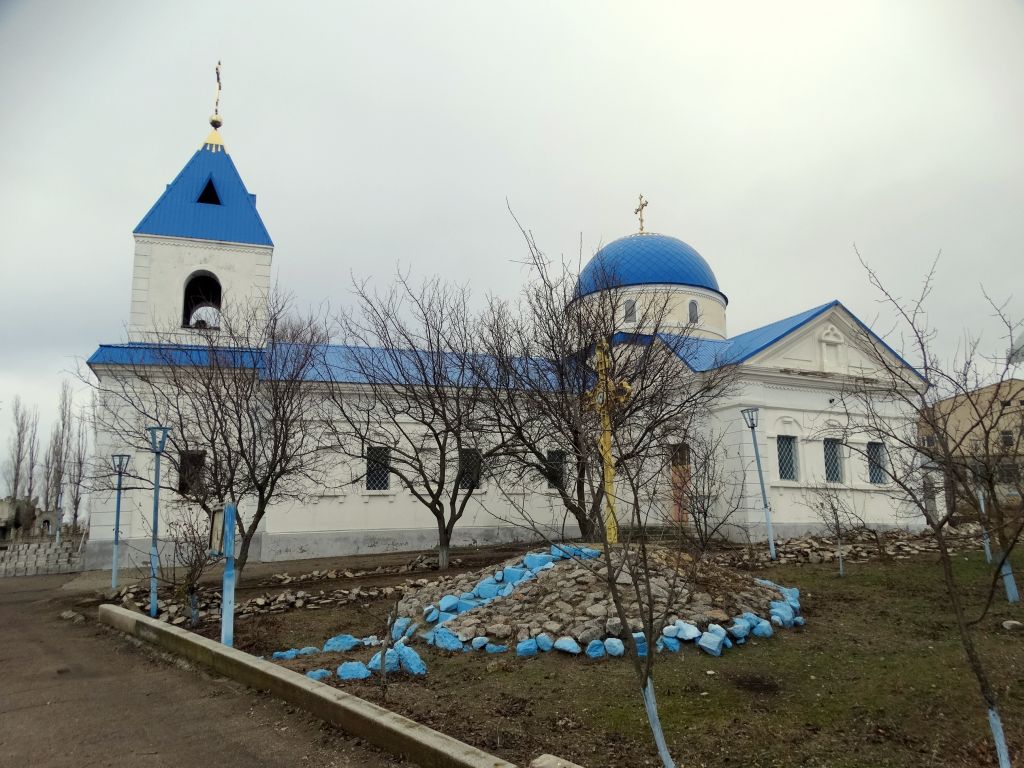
point(32, 457)
point(955, 435)
point(539, 368)
point(55, 458)
point(404, 400)
point(705, 498)
point(78, 456)
point(839, 514)
point(242, 403)
point(21, 421)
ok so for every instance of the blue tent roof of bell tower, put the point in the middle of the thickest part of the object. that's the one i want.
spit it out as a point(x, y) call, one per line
point(227, 214)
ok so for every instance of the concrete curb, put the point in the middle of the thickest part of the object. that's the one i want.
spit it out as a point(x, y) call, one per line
point(381, 727)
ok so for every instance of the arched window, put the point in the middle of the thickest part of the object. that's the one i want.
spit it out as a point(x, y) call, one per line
point(694, 315)
point(202, 302)
point(629, 311)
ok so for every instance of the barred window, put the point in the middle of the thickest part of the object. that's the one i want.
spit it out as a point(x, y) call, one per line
point(1006, 439)
point(378, 468)
point(554, 469)
point(470, 468)
point(876, 463)
point(629, 311)
point(787, 457)
point(190, 472)
point(833, 460)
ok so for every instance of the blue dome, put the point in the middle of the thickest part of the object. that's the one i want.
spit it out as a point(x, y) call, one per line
point(645, 259)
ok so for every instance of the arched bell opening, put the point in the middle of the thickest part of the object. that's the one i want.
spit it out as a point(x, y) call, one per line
point(202, 301)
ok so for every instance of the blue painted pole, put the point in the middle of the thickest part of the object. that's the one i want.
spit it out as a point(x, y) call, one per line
point(227, 600)
point(117, 532)
point(154, 554)
point(764, 494)
point(996, 724)
point(984, 527)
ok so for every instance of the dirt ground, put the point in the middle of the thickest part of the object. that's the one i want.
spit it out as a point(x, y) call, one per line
point(79, 695)
point(877, 678)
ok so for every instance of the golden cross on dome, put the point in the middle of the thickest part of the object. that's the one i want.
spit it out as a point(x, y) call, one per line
point(215, 121)
point(640, 212)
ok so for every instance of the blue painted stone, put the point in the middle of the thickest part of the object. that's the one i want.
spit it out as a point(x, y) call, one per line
point(309, 650)
point(341, 644)
point(427, 637)
point(763, 629)
point(791, 594)
point(740, 628)
point(371, 641)
point(499, 576)
point(586, 553)
point(711, 643)
point(479, 642)
point(444, 616)
point(354, 670)
point(535, 560)
point(399, 626)
point(492, 648)
point(410, 661)
point(507, 590)
point(670, 631)
point(799, 621)
point(391, 663)
point(641, 644)
point(526, 648)
point(467, 605)
point(776, 620)
point(567, 645)
point(559, 552)
point(285, 655)
point(432, 614)
point(670, 643)
point(717, 629)
point(446, 640)
point(595, 649)
point(614, 646)
point(686, 631)
point(467, 596)
point(410, 631)
point(318, 674)
point(513, 575)
point(448, 604)
point(783, 611)
point(487, 589)
point(544, 642)
point(427, 609)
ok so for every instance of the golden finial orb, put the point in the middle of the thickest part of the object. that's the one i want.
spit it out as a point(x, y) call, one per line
point(216, 122)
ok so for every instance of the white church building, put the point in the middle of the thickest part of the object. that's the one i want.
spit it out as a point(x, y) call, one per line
point(204, 243)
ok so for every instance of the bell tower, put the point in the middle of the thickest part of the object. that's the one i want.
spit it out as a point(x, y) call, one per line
point(201, 250)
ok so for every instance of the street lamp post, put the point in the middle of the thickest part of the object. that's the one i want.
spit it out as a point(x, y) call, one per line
point(119, 461)
point(157, 442)
point(750, 418)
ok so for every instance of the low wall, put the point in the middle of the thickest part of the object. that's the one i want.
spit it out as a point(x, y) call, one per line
point(381, 727)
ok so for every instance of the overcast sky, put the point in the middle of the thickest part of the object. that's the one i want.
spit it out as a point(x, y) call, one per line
point(769, 136)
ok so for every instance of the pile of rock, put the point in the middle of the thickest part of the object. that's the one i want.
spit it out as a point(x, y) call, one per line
point(561, 596)
point(208, 601)
point(422, 562)
point(860, 547)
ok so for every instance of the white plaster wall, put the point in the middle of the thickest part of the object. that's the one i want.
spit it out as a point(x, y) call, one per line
point(710, 308)
point(162, 265)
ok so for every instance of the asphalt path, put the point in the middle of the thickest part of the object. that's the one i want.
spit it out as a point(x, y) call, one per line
point(80, 695)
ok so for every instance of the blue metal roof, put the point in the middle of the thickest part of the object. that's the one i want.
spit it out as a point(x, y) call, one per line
point(646, 259)
point(178, 212)
point(708, 354)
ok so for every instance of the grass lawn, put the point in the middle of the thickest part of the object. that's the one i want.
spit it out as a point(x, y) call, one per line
point(876, 678)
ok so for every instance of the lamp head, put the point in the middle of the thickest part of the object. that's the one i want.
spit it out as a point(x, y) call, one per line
point(120, 462)
point(158, 438)
point(750, 417)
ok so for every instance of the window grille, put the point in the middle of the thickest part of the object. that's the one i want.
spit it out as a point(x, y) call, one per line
point(378, 468)
point(629, 311)
point(833, 460)
point(470, 468)
point(876, 463)
point(554, 466)
point(190, 472)
point(787, 457)
point(1006, 439)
